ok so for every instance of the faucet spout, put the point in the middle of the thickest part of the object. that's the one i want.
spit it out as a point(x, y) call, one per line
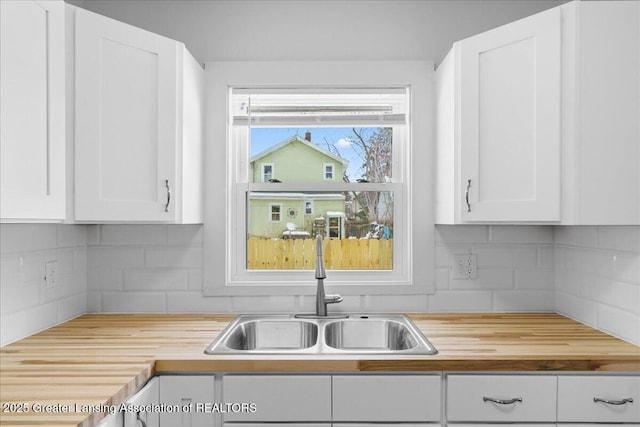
point(321, 273)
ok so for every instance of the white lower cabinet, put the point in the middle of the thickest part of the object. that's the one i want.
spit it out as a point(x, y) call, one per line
point(148, 395)
point(599, 399)
point(279, 398)
point(501, 398)
point(386, 398)
point(193, 395)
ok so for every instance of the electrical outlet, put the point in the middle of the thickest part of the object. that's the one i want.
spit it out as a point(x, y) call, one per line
point(465, 266)
point(51, 274)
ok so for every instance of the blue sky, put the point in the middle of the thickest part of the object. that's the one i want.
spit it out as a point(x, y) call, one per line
point(263, 138)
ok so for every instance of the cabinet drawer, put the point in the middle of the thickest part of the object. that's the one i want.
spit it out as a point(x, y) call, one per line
point(486, 397)
point(148, 395)
point(380, 398)
point(576, 396)
point(279, 398)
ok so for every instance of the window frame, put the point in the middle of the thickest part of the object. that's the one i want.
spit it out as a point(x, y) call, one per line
point(273, 171)
point(308, 204)
point(333, 171)
point(271, 206)
point(220, 271)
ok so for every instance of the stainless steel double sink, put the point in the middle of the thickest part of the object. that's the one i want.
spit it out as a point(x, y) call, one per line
point(355, 334)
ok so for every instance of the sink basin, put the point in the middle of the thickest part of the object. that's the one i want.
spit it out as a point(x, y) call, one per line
point(356, 334)
point(378, 334)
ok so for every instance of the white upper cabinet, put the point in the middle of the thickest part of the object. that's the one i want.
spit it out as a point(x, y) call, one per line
point(32, 111)
point(138, 128)
point(538, 120)
point(503, 119)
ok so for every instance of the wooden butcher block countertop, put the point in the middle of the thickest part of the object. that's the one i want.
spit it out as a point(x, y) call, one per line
point(101, 359)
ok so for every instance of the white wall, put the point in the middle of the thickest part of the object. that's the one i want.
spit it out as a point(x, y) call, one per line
point(26, 305)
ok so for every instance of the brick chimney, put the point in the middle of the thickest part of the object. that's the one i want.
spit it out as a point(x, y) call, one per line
point(307, 136)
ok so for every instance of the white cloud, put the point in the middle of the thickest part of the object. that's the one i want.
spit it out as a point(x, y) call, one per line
point(344, 142)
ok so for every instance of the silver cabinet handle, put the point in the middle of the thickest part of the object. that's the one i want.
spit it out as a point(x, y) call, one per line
point(166, 207)
point(613, 402)
point(466, 195)
point(501, 401)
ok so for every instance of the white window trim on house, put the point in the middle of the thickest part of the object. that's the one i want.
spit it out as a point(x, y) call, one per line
point(308, 207)
point(325, 167)
point(273, 171)
point(271, 206)
point(413, 196)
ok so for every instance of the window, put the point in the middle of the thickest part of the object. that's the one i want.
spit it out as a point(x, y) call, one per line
point(275, 212)
point(353, 202)
point(328, 171)
point(267, 172)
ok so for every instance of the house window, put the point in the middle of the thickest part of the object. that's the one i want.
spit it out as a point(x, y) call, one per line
point(328, 171)
point(326, 119)
point(267, 172)
point(275, 212)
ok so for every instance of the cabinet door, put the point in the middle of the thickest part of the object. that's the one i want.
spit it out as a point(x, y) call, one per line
point(32, 110)
point(126, 89)
point(148, 395)
point(386, 398)
point(279, 398)
point(599, 399)
point(510, 121)
point(501, 398)
point(187, 391)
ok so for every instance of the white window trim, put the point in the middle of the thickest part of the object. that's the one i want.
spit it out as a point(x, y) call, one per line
point(273, 170)
point(308, 203)
point(416, 196)
point(271, 206)
point(333, 171)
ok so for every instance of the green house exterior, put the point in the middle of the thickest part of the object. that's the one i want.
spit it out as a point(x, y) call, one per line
point(278, 215)
point(297, 160)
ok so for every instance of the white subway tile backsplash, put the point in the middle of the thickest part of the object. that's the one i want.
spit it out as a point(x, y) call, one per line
point(133, 234)
point(581, 236)
point(461, 301)
point(452, 234)
point(14, 326)
point(513, 256)
point(133, 302)
point(194, 302)
point(27, 237)
point(114, 257)
point(587, 273)
point(619, 323)
point(104, 279)
point(185, 234)
point(71, 236)
point(155, 280)
point(534, 279)
point(524, 301)
point(577, 308)
point(488, 278)
point(173, 258)
point(518, 234)
point(623, 238)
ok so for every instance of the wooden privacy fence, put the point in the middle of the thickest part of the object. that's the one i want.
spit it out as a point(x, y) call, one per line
point(300, 254)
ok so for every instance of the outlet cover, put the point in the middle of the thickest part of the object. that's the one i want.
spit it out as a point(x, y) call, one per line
point(465, 266)
point(51, 274)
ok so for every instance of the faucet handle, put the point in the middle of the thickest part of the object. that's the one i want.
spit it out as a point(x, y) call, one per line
point(333, 299)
